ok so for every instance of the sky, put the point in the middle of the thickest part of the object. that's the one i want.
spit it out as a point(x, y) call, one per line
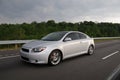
point(20, 11)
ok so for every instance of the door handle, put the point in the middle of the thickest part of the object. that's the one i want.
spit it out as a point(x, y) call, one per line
point(82, 41)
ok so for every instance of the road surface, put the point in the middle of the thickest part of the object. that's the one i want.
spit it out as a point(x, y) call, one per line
point(84, 67)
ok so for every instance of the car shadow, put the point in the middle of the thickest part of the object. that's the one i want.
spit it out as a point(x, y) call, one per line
point(33, 65)
point(75, 58)
point(63, 62)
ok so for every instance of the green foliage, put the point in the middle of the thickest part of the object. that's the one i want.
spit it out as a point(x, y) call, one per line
point(36, 30)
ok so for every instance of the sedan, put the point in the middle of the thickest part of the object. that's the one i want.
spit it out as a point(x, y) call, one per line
point(57, 46)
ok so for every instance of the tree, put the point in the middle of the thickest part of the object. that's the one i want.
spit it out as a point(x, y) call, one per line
point(36, 30)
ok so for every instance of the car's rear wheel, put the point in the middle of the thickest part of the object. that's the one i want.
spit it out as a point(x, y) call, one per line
point(55, 58)
point(91, 50)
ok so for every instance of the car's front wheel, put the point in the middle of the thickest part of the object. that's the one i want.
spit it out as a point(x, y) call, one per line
point(54, 58)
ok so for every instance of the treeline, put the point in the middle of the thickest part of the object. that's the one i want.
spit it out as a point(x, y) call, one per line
point(37, 30)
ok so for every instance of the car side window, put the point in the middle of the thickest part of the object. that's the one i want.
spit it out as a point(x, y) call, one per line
point(73, 36)
point(82, 36)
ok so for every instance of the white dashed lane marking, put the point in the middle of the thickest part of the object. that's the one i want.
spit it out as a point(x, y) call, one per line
point(9, 57)
point(110, 55)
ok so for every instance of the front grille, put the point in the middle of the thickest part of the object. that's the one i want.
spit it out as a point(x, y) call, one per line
point(25, 50)
point(24, 58)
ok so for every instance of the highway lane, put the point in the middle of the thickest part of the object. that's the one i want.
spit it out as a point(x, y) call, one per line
point(83, 67)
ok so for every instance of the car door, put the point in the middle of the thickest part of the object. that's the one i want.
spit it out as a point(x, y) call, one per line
point(84, 42)
point(71, 47)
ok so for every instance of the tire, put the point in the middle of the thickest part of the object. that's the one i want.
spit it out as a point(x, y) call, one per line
point(54, 58)
point(90, 50)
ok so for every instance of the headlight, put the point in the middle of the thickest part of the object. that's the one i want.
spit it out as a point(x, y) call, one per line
point(38, 49)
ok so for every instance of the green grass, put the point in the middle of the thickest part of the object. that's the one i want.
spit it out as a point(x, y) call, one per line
point(10, 47)
point(104, 40)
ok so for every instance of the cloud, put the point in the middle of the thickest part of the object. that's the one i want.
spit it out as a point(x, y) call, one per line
point(19, 11)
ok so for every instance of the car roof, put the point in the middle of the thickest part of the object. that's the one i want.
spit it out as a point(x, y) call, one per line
point(68, 31)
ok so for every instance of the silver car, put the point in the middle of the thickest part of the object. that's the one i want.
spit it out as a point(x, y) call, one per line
point(56, 47)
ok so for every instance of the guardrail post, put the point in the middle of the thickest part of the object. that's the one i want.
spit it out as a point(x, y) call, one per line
point(16, 46)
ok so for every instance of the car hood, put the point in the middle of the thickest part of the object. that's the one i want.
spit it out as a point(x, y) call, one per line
point(39, 43)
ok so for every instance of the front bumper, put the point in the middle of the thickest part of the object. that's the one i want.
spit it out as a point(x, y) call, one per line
point(37, 58)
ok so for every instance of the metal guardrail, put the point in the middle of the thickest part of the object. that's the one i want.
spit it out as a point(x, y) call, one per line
point(15, 41)
point(26, 41)
point(107, 38)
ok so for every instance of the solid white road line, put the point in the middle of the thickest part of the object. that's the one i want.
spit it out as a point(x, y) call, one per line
point(114, 73)
point(9, 57)
point(109, 55)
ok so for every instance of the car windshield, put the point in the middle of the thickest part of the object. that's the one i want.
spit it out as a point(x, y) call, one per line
point(55, 36)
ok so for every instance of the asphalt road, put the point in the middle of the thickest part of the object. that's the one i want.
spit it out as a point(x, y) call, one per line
point(84, 67)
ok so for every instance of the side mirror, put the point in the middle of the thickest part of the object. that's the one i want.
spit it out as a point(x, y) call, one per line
point(67, 39)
